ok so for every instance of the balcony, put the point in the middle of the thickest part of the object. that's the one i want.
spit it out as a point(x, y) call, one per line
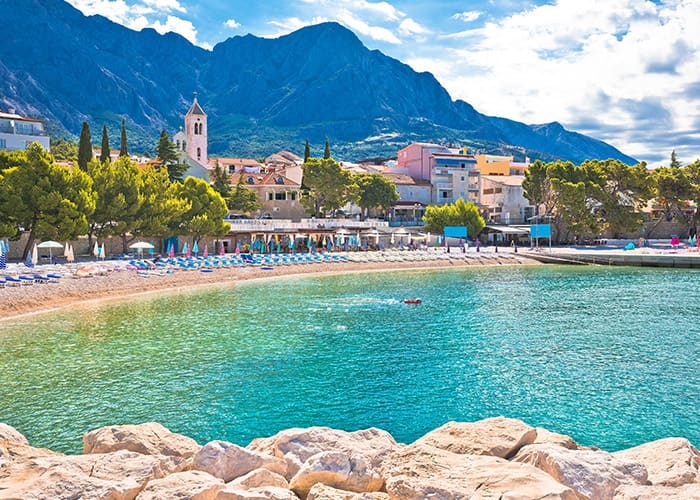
point(6, 129)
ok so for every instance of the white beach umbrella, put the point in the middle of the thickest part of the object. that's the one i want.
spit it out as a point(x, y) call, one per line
point(50, 245)
point(66, 250)
point(96, 250)
point(35, 255)
point(71, 256)
point(141, 245)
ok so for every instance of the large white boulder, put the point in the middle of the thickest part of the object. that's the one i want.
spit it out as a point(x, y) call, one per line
point(149, 438)
point(297, 445)
point(190, 485)
point(320, 491)
point(259, 478)
point(592, 474)
point(669, 462)
point(229, 461)
point(657, 492)
point(115, 476)
point(265, 493)
point(498, 437)
point(336, 469)
point(546, 437)
point(423, 471)
point(11, 435)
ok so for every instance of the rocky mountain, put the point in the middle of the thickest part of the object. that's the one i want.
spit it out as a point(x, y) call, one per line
point(260, 94)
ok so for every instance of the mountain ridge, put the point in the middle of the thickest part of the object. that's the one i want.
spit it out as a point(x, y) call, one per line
point(260, 94)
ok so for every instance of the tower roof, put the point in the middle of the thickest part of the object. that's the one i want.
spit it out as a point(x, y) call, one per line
point(196, 109)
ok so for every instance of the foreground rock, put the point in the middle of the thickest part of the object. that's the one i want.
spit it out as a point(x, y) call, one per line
point(150, 438)
point(229, 461)
point(339, 470)
point(456, 461)
point(669, 462)
point(423, 471)
point(499, 437)
point(296, 446)
point(191, 485)
point(593, 474)
point(323, 492)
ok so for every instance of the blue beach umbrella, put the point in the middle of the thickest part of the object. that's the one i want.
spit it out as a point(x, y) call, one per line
point(3, 260)
point(195, 248)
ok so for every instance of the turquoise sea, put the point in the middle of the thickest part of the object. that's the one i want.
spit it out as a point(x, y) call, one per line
point(609, 356)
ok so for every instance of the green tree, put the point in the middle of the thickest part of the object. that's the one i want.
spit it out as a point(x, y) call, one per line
point(167, 152)
point(329, 186)
point(537, 188)
point(374, 191)
point(672, 190)
point(674, 161)
point(49, 201)
point(104, 154)
point(307, 151)
point(84, 147)
point(459, 213)
point(64, 150)
point(123, 145)
point(118, 187)
point(624, 191)
point(205, 216)
point(161, 206)
point(243, 199)
point(221, 182)
point(327, 150)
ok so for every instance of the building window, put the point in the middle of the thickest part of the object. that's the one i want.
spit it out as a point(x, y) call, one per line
point(461, 178)
point(444, 195)
point(184, 145)
point(231, 169)
point(3, 144)
point(199, 153)
point(270, 196)
point(249, 180)
point(488, 191)
point(279, 180)
point(281, 196)
point(293, 195)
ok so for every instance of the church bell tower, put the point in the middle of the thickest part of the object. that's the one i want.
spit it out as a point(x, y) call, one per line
point(196, 132)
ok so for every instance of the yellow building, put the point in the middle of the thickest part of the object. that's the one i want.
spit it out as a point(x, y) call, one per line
point(500, 165)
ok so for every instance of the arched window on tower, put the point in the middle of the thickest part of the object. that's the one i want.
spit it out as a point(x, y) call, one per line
point(199, 153)
point(184, 145)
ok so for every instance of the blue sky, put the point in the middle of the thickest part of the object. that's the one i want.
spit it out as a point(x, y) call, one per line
point(623, 71)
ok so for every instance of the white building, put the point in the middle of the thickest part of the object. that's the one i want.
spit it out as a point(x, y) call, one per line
point(502, 196)
point(17, 132)
point(191, 142)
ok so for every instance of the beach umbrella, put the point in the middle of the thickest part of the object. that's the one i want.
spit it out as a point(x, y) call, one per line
point(70, 257)
point(3, 259)
point(50, 245)
point(140, 246)
point(206, 251)
point(185, 250)
point(279, 247)
point(238, 248)
point(170, 246)
point(96, 250)
point(66, 250)
point(3, 247)
point(102, 254)
point(392, 239)
point(35, 254)
point(171, 251)
point(195, 248)
point(222, 252)
point(188, 254)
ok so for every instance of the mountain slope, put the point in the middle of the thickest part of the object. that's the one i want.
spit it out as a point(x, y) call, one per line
point(260, 94)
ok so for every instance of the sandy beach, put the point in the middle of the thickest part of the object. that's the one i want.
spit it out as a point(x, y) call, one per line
point(117, 282)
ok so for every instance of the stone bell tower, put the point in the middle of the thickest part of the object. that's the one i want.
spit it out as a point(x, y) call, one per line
point(196, 132)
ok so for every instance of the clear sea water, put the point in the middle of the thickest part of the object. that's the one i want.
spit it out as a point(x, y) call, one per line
point(608, 356)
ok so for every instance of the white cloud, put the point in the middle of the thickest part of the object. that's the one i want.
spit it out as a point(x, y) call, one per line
point(381, 10)
point(165, 5)
point(554, 62)
point(290, 24)
point(467, 16)
point(409, 27)
point(375, 32)
point(176, 25)
point(233, 24)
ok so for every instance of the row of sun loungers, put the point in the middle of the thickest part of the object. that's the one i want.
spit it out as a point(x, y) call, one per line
point(28, 279)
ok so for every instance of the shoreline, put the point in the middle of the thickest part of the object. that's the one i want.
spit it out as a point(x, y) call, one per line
point(115, 284)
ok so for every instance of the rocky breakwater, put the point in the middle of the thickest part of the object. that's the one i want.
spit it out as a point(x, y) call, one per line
point(492, 458)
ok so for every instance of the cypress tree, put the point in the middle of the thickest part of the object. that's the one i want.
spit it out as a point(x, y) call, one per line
point(307, 151)
point(84, 147)
point(327, 150)
point(674, 161)
point(104, 154)
point(123, 148)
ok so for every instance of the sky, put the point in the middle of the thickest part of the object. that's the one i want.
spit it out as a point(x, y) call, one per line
point(623, 71)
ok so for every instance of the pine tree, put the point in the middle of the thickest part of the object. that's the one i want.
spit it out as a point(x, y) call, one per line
point(327, 150)
point(104, 154)
point(123, 148)
point(84, 147)
point(307, 151)
point(674, 161)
